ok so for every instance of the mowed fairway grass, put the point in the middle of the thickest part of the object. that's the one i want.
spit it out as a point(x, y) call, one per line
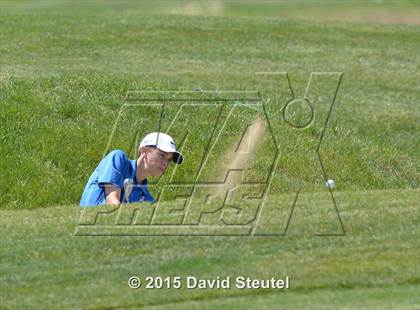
point(375, 265)
point(63, 78)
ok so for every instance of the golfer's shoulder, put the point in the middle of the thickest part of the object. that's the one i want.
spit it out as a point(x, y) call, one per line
point(118, 156)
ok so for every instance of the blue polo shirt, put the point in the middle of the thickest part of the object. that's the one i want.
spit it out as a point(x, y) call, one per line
point(114, 169)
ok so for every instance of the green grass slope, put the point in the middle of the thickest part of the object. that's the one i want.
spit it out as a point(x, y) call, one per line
point(63, 79)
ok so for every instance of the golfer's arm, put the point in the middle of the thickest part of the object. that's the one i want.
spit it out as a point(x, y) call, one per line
point(112, 195)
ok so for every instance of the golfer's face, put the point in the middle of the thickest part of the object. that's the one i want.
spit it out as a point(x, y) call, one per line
point(158, 161)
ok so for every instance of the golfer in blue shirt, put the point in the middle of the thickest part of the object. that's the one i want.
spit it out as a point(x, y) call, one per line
point(118, 179)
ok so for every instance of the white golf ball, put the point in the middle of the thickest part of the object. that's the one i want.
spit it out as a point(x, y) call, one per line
point(330, 183)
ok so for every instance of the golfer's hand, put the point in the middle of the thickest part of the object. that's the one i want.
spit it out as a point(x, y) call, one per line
point(112, 195)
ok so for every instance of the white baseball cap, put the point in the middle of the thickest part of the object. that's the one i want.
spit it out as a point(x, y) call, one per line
point(164, 143)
